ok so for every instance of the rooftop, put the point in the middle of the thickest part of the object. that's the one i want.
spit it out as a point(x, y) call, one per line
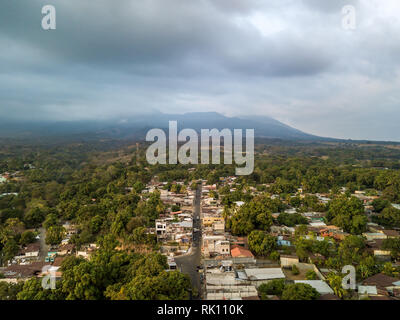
point(237, 251)
point(264, 273)
point(319, 285)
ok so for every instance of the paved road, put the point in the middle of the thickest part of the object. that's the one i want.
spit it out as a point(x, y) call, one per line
point(188, 263)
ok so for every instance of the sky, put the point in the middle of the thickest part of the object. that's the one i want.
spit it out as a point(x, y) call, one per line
point(288, 59)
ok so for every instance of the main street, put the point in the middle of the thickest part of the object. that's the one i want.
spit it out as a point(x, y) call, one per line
point(188, 263)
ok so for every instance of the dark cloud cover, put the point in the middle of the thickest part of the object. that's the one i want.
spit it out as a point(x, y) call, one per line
point(288, 59)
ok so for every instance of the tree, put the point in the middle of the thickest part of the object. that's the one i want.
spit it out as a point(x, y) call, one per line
point(291, 220)
point(8, 291)
point(299, 291)
point(380, 204)
point(303, 247)
point(120, 222)
point(392, 244)
point(33, 290)
point(311, 275)
point(10, 249)
point(95, 224)
point(358, 224)
point(351, 249)
point(55, 235)
point(273, 287)
point(151, 208)
point(301, 230)
point(390, 270)
point(335, 282)
point(83, 282)
point(34, 217)
point(27, 237)
point(255, 214)
point(295, 270)
point(193, 185)
point(174, 285)
point(367, 267)
point(389, 217)
point(347, 213)
point(260, 243)
point(140, 236)
point(136, 222)
point(51, 220)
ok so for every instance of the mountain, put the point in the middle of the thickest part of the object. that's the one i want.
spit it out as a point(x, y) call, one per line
point(137, 127)
point(264, 127)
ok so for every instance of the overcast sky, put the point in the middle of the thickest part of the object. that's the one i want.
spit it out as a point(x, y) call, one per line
point(288, 59)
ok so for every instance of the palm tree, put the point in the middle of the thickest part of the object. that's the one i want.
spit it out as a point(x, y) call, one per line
point(335, 282)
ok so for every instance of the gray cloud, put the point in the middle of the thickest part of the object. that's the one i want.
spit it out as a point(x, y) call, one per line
point(285, 58)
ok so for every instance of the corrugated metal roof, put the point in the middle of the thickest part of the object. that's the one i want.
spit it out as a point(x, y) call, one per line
point(242, 275)
point(264, 273)
point(367, 290)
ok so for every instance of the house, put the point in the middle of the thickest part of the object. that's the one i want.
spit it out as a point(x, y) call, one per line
point(239, 241)
point(390, 233)
point(51, 270)
point(58, 261)
point(239, 203)
point(70, 229)
point(329, 231)
point(161, 228)
point(51, 255)
point(283, 241)
point(282, 230)
point(374, 227)
point(31, 250)
point(375, 247)
point(288, 260)
point(318, 224)
point(218, 227)
point(367, 290)
point(374, 236)
point(240, 252)
point(385, 284)
point(316, 258)
point(215, 244)
point(224, 285)
point(222, 247)
point(172, 265)
point(87, 251)
point(23, 271)
point(209, 221)
point(83, 254)
point(65, 249)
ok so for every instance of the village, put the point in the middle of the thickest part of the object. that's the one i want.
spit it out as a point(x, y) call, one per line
point(222, 265)
point(229, 270)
